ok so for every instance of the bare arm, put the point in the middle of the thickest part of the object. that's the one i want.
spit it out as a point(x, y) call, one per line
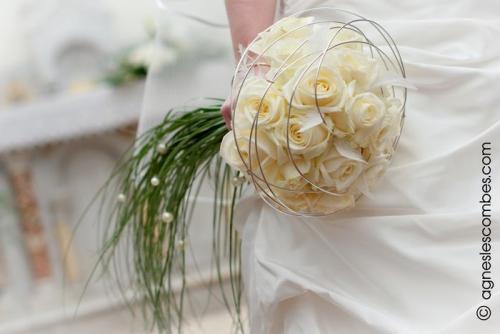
point(246, 19)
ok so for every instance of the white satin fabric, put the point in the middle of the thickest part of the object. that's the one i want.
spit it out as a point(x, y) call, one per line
point(406, 261)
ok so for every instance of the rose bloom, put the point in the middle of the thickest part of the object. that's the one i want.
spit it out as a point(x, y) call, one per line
point(286, 60)
point(338, 35)
point(243, 154)
point(288, 54)
point(342, 124)
point(366, 113)
point(292, 200)
point(285, 28)
point(259, 98)
point(312, 88)
point(335, 170)
point(382, 141)
point(313, 202)
point(310, 143)
point(328, 204)
point(373, 173)
point(355, 65)
point(289, 175)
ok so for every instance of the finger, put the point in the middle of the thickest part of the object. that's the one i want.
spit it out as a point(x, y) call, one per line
point(226, 113)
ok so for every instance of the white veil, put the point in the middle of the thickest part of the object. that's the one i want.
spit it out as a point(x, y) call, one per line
point(192, 58)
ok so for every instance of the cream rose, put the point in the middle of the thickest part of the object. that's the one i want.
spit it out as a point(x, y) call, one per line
point(338, 171)
point(366, 113)
point(347, 35)
point(382, 140)
point(241, 153)
point(293, 169)
point(229, 152)
point(294, 200)
point(374, 172)
point(286, 28)
point(342, 124)
point(310, 143)
point(290, 174)
point(328, 204)
point(281, 176)
point(354, 65)
point(288, 54)
point(285, 66)
point(316, 202)
point(324, 88)
point(270, 108)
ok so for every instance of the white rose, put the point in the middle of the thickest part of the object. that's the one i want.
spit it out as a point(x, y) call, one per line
point(293, 169)
point(328, 204)
point(366, 112)
point(243, 154)
point(230, 154)
point(288, 53)
point(315, 202)
point(288, 27)
point(280, 76)
point(356, 66)
point(342, 125)
point(338, 171)
point(283, 66)
point(347, 35)
point(382, 140)
point(293, 200)
point(375, 170)
point(310, 143)
point(290, 176)
point(325, 89)
point(270, 108)
point(241, 122)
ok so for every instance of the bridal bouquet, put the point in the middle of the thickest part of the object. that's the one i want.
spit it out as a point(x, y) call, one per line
point(318, 104)
point(315, 120)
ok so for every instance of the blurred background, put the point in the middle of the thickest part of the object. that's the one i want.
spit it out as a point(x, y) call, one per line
point(72, 90)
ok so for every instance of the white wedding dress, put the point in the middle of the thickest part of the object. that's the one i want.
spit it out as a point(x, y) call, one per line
point(406, 261)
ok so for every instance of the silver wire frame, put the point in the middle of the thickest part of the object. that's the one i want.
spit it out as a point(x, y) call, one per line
point(391, 60)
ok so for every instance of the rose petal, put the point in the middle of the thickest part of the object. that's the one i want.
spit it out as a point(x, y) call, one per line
point(392, 79)
point(311, 121)
point(346, 150)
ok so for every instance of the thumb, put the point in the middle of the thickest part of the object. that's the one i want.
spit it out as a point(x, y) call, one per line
point(226, 112)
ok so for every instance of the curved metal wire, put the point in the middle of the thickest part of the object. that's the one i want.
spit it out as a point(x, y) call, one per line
point(385, 52)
